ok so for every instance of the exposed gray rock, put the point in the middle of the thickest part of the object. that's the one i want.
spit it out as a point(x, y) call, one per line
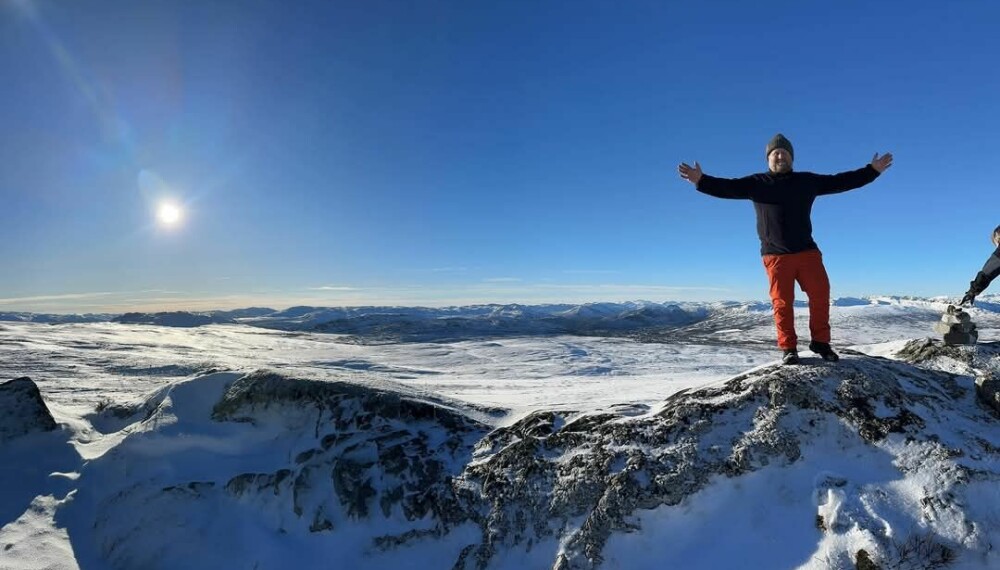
point(22, 410)
point(988, 390)
point(982, 360)
point(864, 561)
point(921, 351)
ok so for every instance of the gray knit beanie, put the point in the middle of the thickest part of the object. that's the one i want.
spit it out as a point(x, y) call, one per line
point(779, 141)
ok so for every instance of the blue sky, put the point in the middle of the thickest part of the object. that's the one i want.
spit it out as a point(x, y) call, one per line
point(438, 153)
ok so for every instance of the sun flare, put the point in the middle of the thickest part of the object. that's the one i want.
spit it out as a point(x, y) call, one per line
point(168, 214)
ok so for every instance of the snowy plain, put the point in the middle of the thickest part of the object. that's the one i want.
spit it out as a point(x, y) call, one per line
point(53, 483)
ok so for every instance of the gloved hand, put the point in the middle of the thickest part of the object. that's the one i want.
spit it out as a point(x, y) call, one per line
point(968, 298)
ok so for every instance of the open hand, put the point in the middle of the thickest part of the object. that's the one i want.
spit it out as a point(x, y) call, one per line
point(881, 163)
point(689, 173)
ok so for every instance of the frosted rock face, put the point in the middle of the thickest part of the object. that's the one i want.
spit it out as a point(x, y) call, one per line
point(558, 487)
point(22, 410)
point(982, 360)
point(377, 452)
point(578, 480)
point(988, 390)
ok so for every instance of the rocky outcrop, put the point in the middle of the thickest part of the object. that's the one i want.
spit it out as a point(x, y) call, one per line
point(22, 410)
point(539, 478)
point(926, 350)
point(378, 452)
point(576, 479)
point(988, 390)
point(921, 351)
point(564, 484)
point(982, 361)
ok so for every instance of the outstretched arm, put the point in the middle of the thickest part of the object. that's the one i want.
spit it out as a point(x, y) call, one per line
point(983, 279)
point(835, 183)
point(733, 188)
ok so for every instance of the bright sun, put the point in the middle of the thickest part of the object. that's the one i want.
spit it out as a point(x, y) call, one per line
point(168, 214)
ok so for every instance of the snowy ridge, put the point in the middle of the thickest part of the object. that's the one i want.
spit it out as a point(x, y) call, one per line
point(872, 454)
point(172, 319)
point(422, 324)
point(55, 319)
point(646, 320)
point(578, 482)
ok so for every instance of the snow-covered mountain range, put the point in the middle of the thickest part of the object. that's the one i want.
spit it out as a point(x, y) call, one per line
point(410, 324)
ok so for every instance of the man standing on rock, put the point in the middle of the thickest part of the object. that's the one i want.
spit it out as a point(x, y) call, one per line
point(783, 201)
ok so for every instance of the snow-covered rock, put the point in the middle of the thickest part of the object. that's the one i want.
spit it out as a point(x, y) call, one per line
point(867, 461)
point(982, 361)
point(22, 410)
point(566, 484)
point(321, 460)
point(381, 450)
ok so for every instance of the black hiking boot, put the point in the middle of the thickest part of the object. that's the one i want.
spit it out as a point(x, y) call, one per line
point(791, 356)
point(823, 349)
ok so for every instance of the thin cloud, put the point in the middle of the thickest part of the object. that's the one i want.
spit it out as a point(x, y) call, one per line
point(666, 288)
point(63, 297)
point(502, 280)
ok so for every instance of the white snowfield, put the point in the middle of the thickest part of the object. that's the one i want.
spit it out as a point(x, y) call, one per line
point(269, 443)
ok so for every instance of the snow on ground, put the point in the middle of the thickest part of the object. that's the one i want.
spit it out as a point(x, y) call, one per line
point(81, 366)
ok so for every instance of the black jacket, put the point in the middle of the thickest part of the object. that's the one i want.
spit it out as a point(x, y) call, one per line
point(784, 202)
point(987, 275)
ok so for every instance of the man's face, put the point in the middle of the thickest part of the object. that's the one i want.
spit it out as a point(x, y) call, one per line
point(779, 161)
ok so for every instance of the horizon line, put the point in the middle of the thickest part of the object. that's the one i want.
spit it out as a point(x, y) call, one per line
point(190, 308)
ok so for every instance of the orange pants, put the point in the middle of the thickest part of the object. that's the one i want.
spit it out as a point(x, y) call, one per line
point(807, 268)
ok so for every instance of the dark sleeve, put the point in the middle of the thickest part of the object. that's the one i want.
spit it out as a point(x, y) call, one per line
point(987, 275)
point(732, 188)
point(836, 183)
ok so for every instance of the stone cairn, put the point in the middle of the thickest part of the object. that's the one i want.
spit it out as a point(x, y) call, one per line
point(957, 327)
